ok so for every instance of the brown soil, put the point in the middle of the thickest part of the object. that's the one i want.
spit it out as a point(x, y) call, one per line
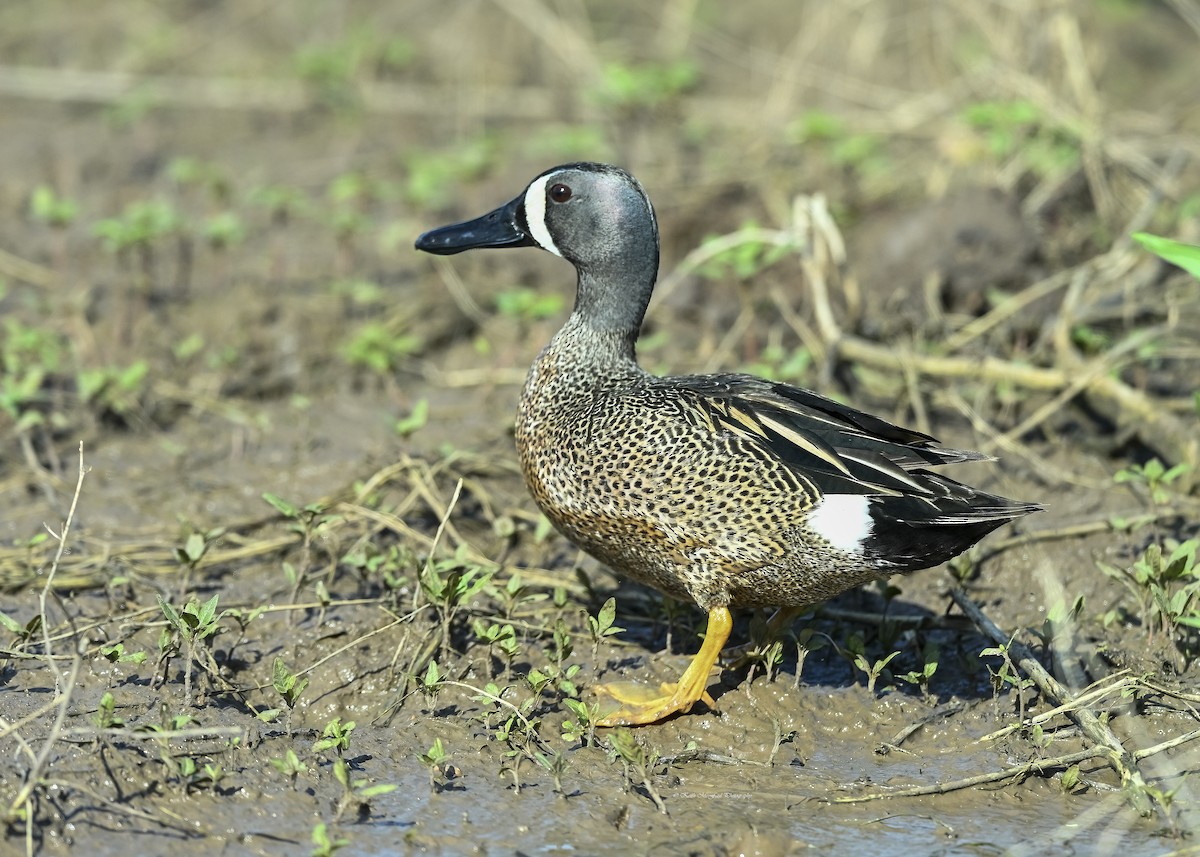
point(249, 390)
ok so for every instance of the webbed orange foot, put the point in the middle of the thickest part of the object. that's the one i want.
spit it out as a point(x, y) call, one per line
point(637, 704)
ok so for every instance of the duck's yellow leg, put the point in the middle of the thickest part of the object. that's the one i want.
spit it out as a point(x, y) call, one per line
point(781, 620)
point(638, 704)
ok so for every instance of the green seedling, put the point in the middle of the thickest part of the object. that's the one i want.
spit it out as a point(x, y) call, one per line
point(499, 636)
point(1059, 620)
point(309, 521)
point(1070, 781)
point(335, 736)
point(112, 392)
point(24, 633)
point(1165, 582)
point(116, 654)
point(601, 625)
point(194, 624)
point(192, 551)
point(638, 762)
point(743, 260)
point(1177, 253)
point(416, 419)
point(379, 348)
point(431, 682)
point(1008, 675)
point(1154, 476)
point(514, 593)
point(32, 359)
point(645, 85)
point(283, 204)
point(581, 726)
point(390, 565)
point(929, 657)
point(46, 206)
point(106, 714)
point(290, 766)
point(323, 844)
point(434, 759)
point(527, 304)
point(1020, 129)
point(782, 736)
point(289, 686)
point(855, 653)
point(449, 585)
point(211, 178)
point(223, 231)
point(356, 791)
point(435, 174)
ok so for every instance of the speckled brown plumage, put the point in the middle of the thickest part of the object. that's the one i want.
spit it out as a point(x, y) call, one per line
point(725, 490)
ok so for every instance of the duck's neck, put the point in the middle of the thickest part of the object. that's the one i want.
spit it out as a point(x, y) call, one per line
point(611, 296)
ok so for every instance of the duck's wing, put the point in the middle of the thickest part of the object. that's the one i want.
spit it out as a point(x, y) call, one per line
point(841, 449)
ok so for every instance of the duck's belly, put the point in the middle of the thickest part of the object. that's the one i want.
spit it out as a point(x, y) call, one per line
point(664, 500)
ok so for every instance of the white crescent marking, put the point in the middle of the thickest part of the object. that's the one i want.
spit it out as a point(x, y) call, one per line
point(535, 214)
point(843, 520)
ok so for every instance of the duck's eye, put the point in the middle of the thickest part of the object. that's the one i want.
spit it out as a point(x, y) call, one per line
point(560, 192)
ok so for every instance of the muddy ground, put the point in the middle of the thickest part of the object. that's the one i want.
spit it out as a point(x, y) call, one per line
point(207, 281)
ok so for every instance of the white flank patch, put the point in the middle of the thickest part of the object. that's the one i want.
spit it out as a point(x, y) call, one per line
point(843, 520)
point(535, 214)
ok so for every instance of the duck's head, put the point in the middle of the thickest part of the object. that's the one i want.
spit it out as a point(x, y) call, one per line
point(590, 214)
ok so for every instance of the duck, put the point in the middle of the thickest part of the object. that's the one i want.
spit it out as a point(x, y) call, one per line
point(725, 490)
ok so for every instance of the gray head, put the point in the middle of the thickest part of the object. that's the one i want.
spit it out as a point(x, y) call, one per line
point(595, 216)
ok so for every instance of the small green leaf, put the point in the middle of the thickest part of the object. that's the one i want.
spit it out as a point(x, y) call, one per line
point(1186, 256)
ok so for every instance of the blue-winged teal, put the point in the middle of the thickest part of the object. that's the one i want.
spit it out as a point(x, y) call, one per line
point(725, 490)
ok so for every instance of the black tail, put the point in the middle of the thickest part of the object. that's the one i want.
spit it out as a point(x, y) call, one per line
point(911, 531)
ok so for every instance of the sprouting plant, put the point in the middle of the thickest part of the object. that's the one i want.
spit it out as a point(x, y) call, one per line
point(378, 347)
point(308, 521)
point(782, 736)
point(499, 636)
point(855, 652)
point(527, 304)
point(194, 624)
point(434, 759)
point(1186, 256)
point(289, 686)
point(416, 419)
point(514, 592)
point(646, 85)
point(1007, 675)
point(283, 204)
point(1165, 582)
point(431, 682)
point(601, 625)
point(323, 844)
point(638, 762)
point(114, 393)
point(356, 791)
point(138, 229)
point(433, 174)
point(1059, 619)
point(52, 209)
point(116, 654)
point(1154, 476)
point(24, 633)
point(581, 726)
point(211, 178)
point(291, 766)
point(449, 585)
point(929, 664)
point(1018, 128)
point(744, 259)
point(106, 716)
point(223, 231)
point(335, 736)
